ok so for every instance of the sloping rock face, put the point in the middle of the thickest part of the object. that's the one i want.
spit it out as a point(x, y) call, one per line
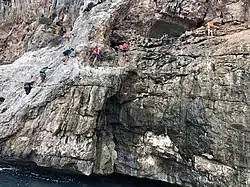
point(178, 111)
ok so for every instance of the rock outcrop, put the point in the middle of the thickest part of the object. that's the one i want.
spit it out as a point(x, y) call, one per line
point(178, 111)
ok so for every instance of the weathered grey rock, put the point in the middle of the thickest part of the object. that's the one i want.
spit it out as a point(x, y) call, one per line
point(178, 111)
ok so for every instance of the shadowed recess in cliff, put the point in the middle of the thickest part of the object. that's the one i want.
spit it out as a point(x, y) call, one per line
point(2, 100)
point(108, 121)
point(112, 111)
point(161, 28)
point(116, 40)
point(110, 116)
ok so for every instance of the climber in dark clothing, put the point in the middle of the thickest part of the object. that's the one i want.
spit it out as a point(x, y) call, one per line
point(60, 30)
point(43, 74)
point(67, 53)
point(28, 86)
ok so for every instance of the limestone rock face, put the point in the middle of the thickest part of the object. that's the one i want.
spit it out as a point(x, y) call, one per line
point(177, 111)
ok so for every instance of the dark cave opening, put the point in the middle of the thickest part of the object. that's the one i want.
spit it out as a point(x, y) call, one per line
point(161, 28)
point(116, 40)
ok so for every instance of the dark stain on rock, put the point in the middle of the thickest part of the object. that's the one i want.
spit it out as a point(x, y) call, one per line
point(187, 125)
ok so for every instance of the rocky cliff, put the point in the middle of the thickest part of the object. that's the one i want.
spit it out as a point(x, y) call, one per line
point(178, 111)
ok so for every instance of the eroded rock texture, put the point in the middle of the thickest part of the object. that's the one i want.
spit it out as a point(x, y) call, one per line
point(178, 111)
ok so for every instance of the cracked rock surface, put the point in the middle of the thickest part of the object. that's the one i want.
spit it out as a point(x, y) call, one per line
point(178, 111)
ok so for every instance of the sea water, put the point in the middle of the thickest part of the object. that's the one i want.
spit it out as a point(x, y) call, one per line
point(23, 177)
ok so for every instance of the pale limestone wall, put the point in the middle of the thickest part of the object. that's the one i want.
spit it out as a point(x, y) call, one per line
point(178, 111)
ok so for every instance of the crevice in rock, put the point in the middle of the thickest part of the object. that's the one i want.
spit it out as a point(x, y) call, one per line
point(89, 7)
point(92, 5)
point(108, 121)
point(2, 99)
point(112, 111)
point(4, 110)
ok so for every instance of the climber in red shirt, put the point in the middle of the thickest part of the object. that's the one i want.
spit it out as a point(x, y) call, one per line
point(124, 49)
point(96, 55)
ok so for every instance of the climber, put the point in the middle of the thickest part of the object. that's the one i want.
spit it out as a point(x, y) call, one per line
point(61, 33)
point(124, 49)
point(28, 86)
point(43, 74)
point(67, 54)
point(60, 30)
point(96, 55)
point(211, 28)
